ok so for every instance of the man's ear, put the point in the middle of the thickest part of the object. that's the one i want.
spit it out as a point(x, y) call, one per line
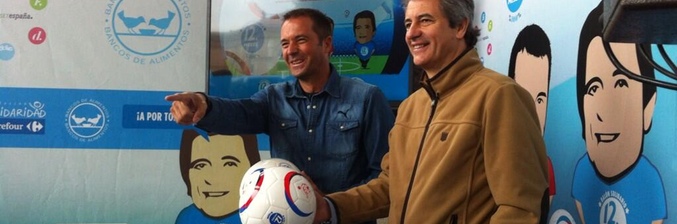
point(648, 112)
point(462, 28)
point(328, 45)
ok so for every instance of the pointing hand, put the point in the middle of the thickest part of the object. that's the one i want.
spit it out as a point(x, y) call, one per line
point(187, 107)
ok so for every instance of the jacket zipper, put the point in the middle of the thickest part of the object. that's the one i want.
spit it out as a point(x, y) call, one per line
point(433, 107)
point(454, 219)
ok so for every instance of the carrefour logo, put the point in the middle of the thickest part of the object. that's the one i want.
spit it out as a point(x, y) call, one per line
point(514, 5)
point(147, 32)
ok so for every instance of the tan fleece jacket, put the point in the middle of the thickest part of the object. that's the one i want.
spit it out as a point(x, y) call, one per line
point(482, 157)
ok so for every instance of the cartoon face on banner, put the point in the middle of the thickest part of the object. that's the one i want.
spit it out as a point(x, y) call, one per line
point(614, 182)
point(530, 62)
point(211, 168)
point(364, 27)
point(608, 91)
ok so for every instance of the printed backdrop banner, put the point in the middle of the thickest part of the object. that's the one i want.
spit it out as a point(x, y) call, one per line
point(85, 133)
point(620, 167)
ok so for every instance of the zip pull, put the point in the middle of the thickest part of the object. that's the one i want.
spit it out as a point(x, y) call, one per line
point(435, 97)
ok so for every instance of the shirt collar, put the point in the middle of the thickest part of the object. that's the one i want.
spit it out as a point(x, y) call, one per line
point(332, 87)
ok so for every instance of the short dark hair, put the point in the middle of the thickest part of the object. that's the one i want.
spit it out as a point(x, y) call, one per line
point(535, 42)
point(323, 26)
point(366, 14)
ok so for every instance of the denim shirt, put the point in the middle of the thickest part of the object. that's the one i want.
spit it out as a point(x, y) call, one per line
point(337, 136)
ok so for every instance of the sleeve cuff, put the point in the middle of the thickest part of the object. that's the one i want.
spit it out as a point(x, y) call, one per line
point(334, 218)
point(209, 102)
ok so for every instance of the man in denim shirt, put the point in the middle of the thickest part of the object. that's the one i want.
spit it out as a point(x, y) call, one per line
point(334, 128)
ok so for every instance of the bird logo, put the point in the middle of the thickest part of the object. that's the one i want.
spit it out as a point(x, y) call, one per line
point(140, 30)
point(86, 122)
point(87, 119)
point(162, 23)
point(131, 22)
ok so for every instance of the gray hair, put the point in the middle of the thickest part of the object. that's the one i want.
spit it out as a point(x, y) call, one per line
point(456, 11)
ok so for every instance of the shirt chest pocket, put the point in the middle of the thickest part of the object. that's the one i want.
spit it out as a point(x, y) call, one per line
point(287, 124)
point(344, 138)
point(284, 136)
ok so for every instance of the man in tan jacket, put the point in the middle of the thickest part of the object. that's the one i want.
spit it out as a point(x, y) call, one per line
point(465, 148)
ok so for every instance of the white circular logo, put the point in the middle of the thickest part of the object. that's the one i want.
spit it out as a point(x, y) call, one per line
point(612, 212)
point(87, 120)
point(147, 34)
point(561, 216)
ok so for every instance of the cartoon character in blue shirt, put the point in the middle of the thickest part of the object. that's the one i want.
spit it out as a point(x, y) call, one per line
point(613, 182)
point(212, 170)
point(364, 27)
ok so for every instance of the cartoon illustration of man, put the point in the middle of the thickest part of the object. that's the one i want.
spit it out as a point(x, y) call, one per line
point(364, 28)
point(212, 170)
point(614, 182)
point(530, 63)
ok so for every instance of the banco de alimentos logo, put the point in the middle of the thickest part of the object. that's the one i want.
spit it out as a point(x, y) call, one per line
point(87, 120)
point(147, 32)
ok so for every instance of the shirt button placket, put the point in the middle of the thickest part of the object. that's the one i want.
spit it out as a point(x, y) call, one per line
point(311, 130)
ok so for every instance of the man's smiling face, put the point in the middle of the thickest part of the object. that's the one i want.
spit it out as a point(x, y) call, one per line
point(613, 108)
point(364, 32)
point(215, 171)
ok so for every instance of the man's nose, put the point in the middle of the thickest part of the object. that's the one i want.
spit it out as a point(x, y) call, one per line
point(292, 48)
point(412, 32)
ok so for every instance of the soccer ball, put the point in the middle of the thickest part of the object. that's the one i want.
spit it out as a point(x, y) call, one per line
point(278, 195)
point(274, 162)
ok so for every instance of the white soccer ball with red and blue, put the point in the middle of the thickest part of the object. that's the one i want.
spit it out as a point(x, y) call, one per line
point(272, 162)
point(278, 195)
point(257, 167)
